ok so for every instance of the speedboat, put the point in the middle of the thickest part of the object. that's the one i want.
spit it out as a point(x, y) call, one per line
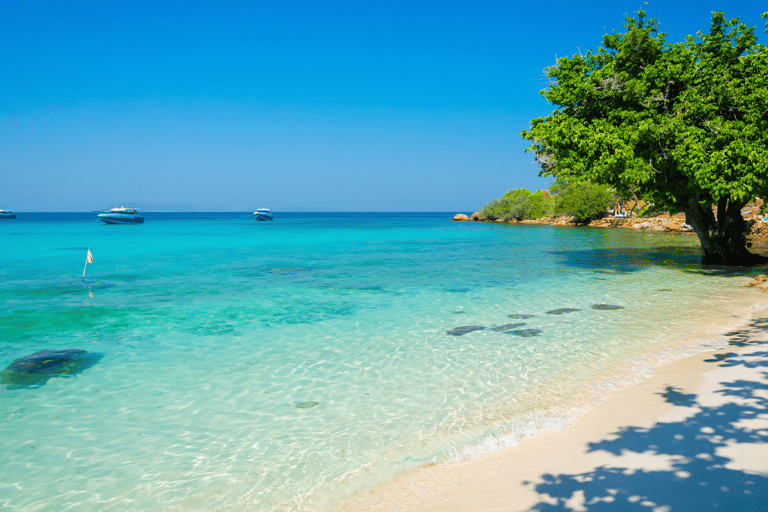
point(263, 214)
point(121, 215)
point(7, 214)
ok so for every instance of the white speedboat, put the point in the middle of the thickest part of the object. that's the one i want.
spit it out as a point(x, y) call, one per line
point(7, 214)
point(121, 215)
point(263, 214)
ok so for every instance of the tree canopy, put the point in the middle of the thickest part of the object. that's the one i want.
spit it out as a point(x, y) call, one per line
point(685, 125)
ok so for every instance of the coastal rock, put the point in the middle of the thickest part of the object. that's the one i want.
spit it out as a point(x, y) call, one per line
point(757, 228)
point(606, 307)
point(35, 369)
point(525, 333)
point(757, 281)
point(506, 327)
point(520, 316)
point(562, 311)
point(464, 329)
point(460, 216)
point(475, 216)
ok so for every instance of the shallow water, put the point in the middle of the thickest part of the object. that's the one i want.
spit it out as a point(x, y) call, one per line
point(281, 365)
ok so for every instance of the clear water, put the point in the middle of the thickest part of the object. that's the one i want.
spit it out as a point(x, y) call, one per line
point(282, 365)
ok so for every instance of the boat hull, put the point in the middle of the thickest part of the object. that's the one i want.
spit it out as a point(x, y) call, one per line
point(117, 218)
point(263, 216)
point(7, 215)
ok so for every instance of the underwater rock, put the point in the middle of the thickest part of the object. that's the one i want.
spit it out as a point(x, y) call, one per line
point(562, 311)
point(525, 333)
point(35, 369)
point(305, 405)
point(520, 316)
point(506, 327)
point(606, 307)
point(459, 331)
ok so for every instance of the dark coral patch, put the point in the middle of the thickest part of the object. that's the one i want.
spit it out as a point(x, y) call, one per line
point(606, 307)
point(506, 327)
point(525, 333)
point(562, 311)
point(520, 316)
point(35, 369)
point(459, 331)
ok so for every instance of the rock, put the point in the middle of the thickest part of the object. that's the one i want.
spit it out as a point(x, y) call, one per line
point(506, 327)
point(475, 216)
point(35, 369)
point(643, 225)
point(305, 405)
point(460, 331)
point(606, 307)
point(757, 281)
point(520, 316)
point(562, 311)
point(460, 216)
point(658, 228)
point(525, 333)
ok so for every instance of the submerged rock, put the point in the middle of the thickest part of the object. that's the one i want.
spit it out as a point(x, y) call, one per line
point(525, 333)
point(520, 316)
point(35, 369)
point(305, 405)
point(506, 327)
point(459, 331)
point(562, 311)
point(606, 307)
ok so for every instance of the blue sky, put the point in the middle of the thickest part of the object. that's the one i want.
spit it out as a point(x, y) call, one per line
point(296, 106)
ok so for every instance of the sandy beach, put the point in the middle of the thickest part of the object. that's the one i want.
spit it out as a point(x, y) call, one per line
point(692, 437)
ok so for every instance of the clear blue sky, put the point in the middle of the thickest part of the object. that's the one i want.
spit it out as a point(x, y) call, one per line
point(292, 105)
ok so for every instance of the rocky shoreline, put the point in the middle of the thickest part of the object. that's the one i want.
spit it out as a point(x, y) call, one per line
point(664, 223)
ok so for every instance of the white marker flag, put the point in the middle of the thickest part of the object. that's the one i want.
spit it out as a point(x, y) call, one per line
point(88, 259)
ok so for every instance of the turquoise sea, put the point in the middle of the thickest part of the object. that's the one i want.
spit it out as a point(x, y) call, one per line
point(273, 366)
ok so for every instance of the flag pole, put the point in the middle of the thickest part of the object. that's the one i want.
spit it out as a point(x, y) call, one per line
point(87, 257)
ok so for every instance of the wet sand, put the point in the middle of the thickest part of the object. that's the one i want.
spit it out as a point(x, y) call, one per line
point(694, 436)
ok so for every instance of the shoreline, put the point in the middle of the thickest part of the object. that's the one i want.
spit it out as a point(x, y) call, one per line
point(650, 413)
point(662, 223)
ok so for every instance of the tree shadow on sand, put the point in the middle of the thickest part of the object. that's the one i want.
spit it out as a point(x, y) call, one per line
point(693, 471)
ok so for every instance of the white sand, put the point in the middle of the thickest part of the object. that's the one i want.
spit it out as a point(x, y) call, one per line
point(693, 437)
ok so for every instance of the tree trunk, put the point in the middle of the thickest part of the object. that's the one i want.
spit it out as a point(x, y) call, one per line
point(723, 237)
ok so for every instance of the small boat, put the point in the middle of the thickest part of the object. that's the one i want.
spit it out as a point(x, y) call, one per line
point(263, 214)
point(7, 214)
point(121, 215)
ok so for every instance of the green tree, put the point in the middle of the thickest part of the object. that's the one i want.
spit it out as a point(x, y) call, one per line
point(683, 125)
point(585, 201)
point(518, 204)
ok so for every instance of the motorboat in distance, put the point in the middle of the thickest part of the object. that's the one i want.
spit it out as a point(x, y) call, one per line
point(263, 214)
point(121, 215)
point(7, 214)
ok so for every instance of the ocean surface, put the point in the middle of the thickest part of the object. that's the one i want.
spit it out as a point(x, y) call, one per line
point(273, 366)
